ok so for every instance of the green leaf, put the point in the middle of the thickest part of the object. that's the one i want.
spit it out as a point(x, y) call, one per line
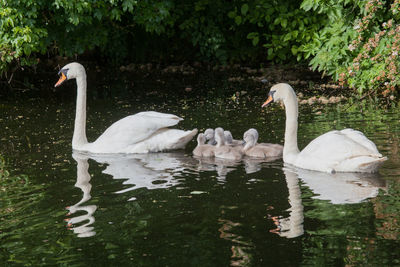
point(284, 23)
point(231, 14)
point(294, 50)
point(244, 9)
point(307, 5)
point(255, 40)
point(127, 5)
point(238, 20)
point(251, 35)
point(287, 37)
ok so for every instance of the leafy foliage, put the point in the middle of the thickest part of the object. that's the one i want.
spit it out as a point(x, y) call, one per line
point(280, 27)
point(355, 42)
point(360, 44)
point(19, 35)
point(208, 30)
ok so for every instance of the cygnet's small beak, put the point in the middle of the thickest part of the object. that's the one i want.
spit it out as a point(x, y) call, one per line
point(61, 80)
point(269, 100)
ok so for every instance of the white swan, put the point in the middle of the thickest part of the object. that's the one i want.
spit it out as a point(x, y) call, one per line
point(347, 150)
point(140, 133)
point(202, 149)
point(262, 150)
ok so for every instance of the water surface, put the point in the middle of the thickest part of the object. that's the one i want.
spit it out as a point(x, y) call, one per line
point(170, 209)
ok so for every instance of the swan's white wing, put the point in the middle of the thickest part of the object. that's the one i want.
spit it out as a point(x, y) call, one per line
point(337, 151)
point(133, 129)
point(333, 145)
point(163, 140)
point(360, 138)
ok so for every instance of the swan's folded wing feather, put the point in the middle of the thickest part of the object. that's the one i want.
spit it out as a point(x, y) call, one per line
point(136, 128)
point(335, 151)
point(332, 147)
point(361, 139)
point(171, 118)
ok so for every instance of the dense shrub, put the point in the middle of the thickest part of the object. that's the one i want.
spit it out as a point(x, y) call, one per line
point(359, 46)
point(354, 41)
point(219, 31)
point(281, 27)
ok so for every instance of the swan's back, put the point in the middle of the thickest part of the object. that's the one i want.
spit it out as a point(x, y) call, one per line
point(143, 132)
point(344, 151)
point(164, 139)
point(360, 138)
point(132, 130)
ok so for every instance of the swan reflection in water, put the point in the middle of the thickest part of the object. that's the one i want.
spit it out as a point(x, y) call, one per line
point(82, 182)
point(338, 188)
point(150, 171)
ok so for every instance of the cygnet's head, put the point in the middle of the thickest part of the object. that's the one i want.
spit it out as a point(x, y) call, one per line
point(209, 134)
point(279, 92)
point(250, 136)
point(219, 136)
point(228, 137)
point(201, 139)
point(70, 71)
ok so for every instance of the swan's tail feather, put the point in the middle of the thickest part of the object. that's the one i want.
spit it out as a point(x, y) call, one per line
point(370, 164)
point(182, 141)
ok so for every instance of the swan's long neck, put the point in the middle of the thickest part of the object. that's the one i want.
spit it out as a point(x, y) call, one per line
point(290, 147)
point(79, 137)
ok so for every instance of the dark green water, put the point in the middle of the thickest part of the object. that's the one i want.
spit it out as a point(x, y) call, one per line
point(170, 209)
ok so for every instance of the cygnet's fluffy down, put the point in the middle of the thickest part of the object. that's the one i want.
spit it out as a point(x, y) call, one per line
point(262, 150)
point(230, 141)
point(209, 135)
point(203, 150)
point(226, 151)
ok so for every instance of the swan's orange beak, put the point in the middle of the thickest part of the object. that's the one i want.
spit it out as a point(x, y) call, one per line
point(269, 100)
point(61, 80)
